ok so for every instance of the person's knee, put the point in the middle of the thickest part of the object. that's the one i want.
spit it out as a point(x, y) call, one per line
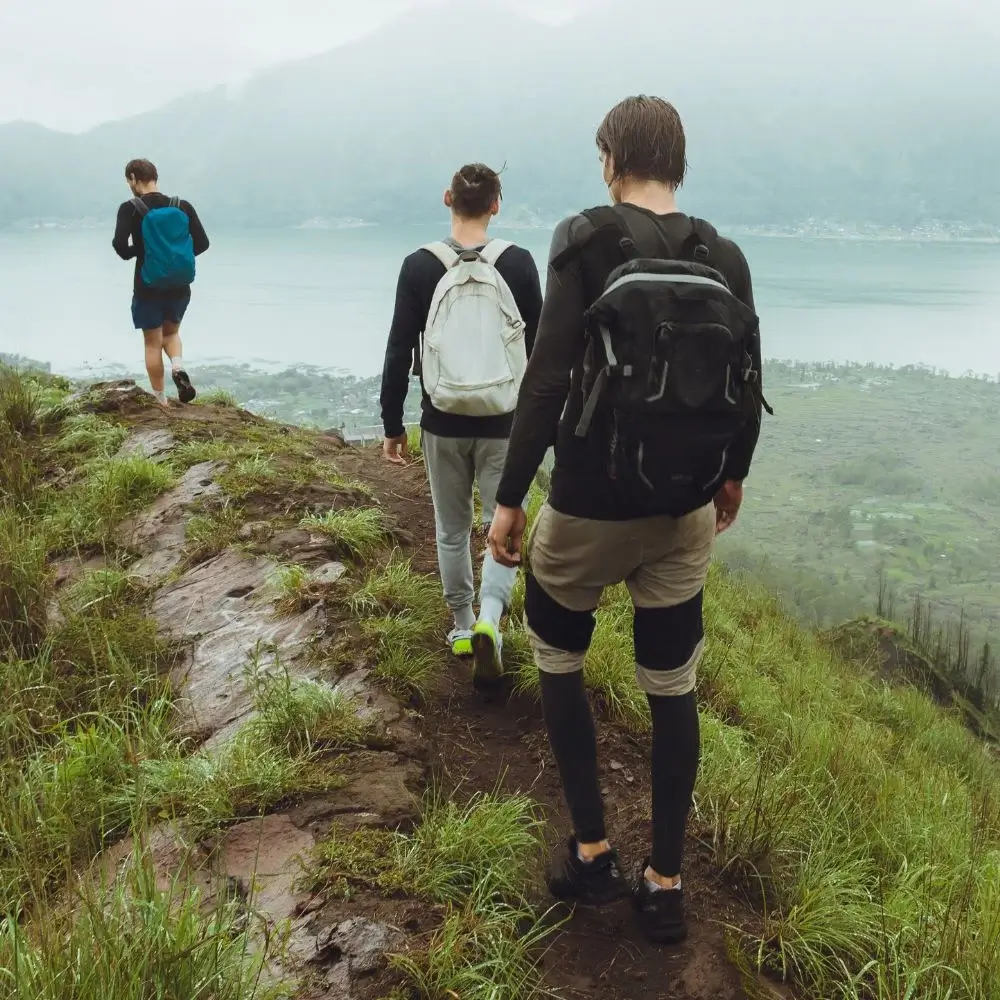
point(451, 540)
point(668, 647)
point(555, 625)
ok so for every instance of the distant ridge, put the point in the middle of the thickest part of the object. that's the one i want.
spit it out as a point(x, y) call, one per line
point(792, 116)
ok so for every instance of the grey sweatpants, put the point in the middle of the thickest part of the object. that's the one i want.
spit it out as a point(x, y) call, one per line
point(453, 465)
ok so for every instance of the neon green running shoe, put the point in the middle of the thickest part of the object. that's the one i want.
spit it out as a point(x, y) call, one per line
point(487, 652)
point(460, 641)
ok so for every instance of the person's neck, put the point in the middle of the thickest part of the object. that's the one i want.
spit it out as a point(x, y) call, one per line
point(143, 189)
point(650, 195)
point(469, 232)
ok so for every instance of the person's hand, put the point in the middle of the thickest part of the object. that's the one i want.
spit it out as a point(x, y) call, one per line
point(506, 535)
point(727, 505)
point(396, 449)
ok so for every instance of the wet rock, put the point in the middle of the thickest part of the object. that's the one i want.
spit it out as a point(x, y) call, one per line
point(256, 531)
point(113, 397)
point(149, 443)
point(161, 525)
point(299, 544)
point(361, 944)
point(160, 563)
point(215, 609)
point(265, 856)
point(329, 573)
point(382, 791)
point(336, 436)
point(178, 864)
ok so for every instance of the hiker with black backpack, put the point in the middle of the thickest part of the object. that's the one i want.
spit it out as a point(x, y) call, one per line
point(163, 235)
point(649, 339)
point(466, 308)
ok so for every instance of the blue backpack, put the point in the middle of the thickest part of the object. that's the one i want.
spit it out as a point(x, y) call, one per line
point(168, 261)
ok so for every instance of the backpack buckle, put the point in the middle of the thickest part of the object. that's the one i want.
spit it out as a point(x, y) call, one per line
point(627, 245)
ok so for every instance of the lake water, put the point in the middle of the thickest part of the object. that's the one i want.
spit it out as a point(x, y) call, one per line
point(326, 297)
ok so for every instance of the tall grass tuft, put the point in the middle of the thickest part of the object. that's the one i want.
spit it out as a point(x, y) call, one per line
point(357, 532)
point(132, 941)
point(475, 860)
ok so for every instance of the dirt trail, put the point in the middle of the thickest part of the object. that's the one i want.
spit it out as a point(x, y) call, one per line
point(477, 742)
point(465, 743)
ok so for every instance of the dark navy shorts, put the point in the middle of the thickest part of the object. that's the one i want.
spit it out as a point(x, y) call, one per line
point(152, 312)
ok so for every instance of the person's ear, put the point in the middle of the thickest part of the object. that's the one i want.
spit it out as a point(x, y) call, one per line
point(495, 207)
point(449, 201)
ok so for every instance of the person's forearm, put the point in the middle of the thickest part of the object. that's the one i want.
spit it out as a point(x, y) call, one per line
point(546, 384)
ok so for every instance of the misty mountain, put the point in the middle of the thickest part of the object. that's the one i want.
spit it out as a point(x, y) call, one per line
point(846, 114)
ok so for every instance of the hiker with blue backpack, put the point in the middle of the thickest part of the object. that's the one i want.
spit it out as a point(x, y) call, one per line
point(467, 308)
point(163, 235)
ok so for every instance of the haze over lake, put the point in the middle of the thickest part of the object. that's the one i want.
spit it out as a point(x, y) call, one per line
point(325, 297)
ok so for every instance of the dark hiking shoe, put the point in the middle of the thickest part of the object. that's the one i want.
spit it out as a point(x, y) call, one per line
point(590, 883)
point(185, 390)
point(661, 911)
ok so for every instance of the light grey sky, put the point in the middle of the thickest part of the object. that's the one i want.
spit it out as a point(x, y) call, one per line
point(71, 64)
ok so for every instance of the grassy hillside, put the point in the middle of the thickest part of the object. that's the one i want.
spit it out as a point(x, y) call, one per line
point(860, 821)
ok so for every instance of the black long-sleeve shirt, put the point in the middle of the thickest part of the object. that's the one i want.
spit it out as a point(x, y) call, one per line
point(553, 381)
point(128, 243)
point(418, 278)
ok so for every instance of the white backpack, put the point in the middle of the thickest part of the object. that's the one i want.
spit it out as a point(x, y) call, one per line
point(474, 352)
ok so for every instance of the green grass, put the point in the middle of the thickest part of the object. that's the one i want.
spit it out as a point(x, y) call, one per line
point(249, 474)
point(24, 584)
point(112, 489)
point(474, 859)
point(402, 615)
point(357, 533)
point(84, 716)
point(218, 397)
point(212, 530)
point(291, 589)
point(89, 435)
point(132, 941)
point(288, 747)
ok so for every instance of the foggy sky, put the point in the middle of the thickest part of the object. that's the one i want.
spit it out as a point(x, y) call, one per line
point(70, 64)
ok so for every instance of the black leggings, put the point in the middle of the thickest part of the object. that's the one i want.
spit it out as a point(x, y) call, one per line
point(675, 756)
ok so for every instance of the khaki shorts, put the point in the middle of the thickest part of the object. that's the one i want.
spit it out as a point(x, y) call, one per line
point(663, 561)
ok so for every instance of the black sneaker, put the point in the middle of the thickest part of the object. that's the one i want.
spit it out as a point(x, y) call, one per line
point(590, 883)
point(185, 390)
point(661, 911)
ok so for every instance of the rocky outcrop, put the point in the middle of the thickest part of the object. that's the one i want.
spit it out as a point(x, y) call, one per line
point(219, 617)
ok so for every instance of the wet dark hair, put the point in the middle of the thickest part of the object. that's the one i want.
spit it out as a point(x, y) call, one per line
point(474, 189)
point(645, 138)
point(144, 171)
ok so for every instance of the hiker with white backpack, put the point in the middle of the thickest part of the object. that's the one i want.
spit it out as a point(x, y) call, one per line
point(466, 312)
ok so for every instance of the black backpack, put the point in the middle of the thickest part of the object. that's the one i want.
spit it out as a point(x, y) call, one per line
point(669, 378)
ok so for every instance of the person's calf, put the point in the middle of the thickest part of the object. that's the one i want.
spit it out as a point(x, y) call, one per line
point(173, 349)
point(153, 347)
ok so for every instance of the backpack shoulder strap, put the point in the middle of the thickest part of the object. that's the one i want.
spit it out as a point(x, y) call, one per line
point(494, 250)
point(140, 206)
point(607, 226)
point(175, 202)
point(700, 245)
point(443, 252)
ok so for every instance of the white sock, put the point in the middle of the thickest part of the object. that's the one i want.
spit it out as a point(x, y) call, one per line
point(491, 611)
point(465, 619)
point(656, 887)
point(161, 396)
point(176, 364)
